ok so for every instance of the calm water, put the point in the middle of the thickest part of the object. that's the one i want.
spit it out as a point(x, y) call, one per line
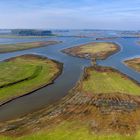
point(73, 68)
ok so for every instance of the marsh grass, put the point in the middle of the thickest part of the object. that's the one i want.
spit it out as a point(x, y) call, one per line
point(98, 50)
point(107, 81)
point(24, 74)
point(133, 63)
point(24, 46)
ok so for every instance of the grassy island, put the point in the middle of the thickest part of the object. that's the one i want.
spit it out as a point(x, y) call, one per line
point(23, 74)
point(107, 80)
point(133, 63)
point(4, 48)
point(97, 50)
point(106, 38)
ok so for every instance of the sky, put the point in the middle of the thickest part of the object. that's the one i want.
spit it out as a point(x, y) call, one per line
point(70, 14)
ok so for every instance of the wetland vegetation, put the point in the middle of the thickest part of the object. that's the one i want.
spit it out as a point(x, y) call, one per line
point(107, 81)
point(133, 63)
point(100, 106)
point(4, 48)
point(98, 50)
point(69, 70)
point(85, 113)
point(23, 74)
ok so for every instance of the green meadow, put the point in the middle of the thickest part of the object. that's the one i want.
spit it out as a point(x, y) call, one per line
point(23, 74)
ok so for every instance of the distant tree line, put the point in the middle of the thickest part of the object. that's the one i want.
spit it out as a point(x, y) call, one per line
point(31, 32)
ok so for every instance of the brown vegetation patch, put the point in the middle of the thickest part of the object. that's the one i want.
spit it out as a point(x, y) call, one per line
point(104, 114)
point(133, 63)
point(106, 38)
point(97, 50)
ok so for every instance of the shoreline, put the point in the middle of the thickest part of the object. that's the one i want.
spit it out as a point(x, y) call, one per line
point(51, 81)
point(66, 51)
point(101, 69)
point(52, 108)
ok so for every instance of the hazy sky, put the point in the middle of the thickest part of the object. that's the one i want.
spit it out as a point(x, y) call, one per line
point(72, 14)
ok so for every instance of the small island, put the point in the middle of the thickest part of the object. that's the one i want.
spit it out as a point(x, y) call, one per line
point(133, 63)
point(23, 74)
point(4, 48)
point(95, 50)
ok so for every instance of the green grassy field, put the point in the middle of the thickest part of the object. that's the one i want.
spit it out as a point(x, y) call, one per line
point(133, 63)
point(24, 74)
point(98, 50)
point(24, 46)
point(108, 81)
point(75, 130)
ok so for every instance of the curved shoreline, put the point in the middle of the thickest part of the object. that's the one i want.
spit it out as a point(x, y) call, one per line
point(51, 81)
point(78, 81)
point(103, 68)
point(66, 51)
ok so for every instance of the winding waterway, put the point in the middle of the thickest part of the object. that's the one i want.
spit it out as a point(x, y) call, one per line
point(73, 68)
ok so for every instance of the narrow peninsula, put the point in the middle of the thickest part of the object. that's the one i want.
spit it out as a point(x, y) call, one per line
point(5, 48)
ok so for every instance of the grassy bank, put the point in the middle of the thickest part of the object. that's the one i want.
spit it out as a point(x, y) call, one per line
point(98, 50)
point(23, 74)
point(133, 63)
point(110, 111)
point(107, 80)
point(75, 130)
point(4, 48)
